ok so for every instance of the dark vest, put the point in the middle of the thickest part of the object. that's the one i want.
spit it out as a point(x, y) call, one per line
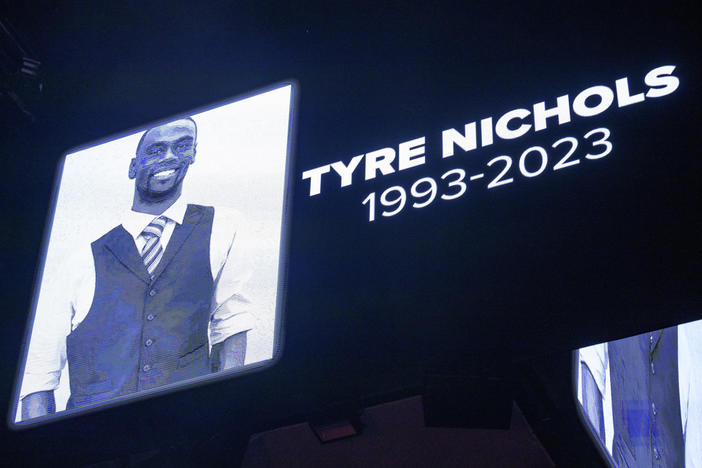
point(646, 400)
point(143, 332)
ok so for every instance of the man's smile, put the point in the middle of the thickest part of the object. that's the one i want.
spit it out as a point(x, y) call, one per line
point(164, 174)
point(162, 160)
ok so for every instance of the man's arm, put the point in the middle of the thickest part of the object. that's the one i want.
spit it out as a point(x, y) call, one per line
point(230, 353)
point(690, 383)
point(592, 401)
point(38, 404)
point(232, 263)
point(64, 298)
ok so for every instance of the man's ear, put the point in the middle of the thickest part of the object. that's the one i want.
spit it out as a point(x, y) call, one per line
point(192, 158)
point(132, 168)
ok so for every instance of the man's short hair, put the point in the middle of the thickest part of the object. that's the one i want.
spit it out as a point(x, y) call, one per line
point(143, 136)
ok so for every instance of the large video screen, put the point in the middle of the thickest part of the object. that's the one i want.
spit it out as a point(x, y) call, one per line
point(641, 397)
point(164, 259)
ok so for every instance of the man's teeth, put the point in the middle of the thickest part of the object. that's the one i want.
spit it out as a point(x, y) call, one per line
point(164, 174)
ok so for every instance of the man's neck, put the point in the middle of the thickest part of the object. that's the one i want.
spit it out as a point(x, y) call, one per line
point(155, 207)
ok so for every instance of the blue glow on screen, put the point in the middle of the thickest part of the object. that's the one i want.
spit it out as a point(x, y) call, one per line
point(641, 397)
point(162, 260)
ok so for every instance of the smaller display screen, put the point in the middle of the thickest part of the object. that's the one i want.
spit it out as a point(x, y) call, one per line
point(163, 261)
point(641, 397)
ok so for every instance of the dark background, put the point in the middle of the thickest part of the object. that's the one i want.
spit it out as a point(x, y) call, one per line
point(501, 283)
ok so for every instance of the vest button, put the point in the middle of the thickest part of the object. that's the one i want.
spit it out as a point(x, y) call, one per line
point(150, 317)
point(149, 342)
point(146, 368)
point(152, 293)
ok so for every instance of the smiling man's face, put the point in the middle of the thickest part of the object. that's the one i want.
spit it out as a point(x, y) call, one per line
point(162, 160)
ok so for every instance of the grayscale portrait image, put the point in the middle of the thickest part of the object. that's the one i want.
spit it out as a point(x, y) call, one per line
point(162, 262)
point(641, 397)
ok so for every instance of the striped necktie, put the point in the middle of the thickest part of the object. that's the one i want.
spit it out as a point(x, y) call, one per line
point(152, 252)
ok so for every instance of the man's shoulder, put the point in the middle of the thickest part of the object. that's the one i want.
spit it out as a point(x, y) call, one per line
point(198, 207)
point(79, 264)
point(115, 231)
point(227, 224)
point(228, 213)
point(222, 214)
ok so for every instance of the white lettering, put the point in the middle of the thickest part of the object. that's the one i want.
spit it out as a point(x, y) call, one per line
point(583, 110)
point(379, 159)
point(486, 131)
point(562, 110)
point(315, 176)
point(661, 81)
point(409, 153)
point(623, 96)
point(346, 172)
point(450, 137)
point(589, 102)
point(502, 126)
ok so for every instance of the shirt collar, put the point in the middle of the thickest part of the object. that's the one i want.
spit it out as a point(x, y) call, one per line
point(135, 222)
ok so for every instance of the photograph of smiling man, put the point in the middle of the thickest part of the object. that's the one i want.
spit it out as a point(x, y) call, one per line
point(179, 286)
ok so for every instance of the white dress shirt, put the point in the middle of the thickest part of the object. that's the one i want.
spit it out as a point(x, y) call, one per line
point(596, 358)
point(230, 306)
